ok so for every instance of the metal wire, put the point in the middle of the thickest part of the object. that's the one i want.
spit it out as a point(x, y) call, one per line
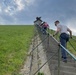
point(74, 39)
point(38, 44)
point(66, 49)
point(54, 53)
point(46, 62)
point(72, 45)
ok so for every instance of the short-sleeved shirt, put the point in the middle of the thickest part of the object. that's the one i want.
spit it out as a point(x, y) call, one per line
point(63, 28)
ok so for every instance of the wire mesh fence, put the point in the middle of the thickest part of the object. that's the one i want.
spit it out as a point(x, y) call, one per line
point(47, 58)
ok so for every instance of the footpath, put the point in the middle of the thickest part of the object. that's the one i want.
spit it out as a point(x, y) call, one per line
point(41, 52)
point(36, 59)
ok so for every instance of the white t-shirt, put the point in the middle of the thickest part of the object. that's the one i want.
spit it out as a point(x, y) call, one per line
point(63, 28)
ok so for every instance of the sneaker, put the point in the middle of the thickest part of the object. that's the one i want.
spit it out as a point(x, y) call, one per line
point(62, 57)
point(65, 60)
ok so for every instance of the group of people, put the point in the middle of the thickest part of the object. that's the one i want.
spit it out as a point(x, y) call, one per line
point(62, 29)
point(43, 25)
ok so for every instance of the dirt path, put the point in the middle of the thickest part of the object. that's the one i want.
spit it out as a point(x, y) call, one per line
point(36, 60)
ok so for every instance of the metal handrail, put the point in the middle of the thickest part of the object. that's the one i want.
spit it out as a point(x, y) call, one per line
point(38, 44)
point(72, 55)
point(50, 59)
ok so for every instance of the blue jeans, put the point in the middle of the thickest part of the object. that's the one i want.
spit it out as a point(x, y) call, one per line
point(64, 38)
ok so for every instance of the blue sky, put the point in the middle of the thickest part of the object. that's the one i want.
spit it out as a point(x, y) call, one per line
point(25, 11)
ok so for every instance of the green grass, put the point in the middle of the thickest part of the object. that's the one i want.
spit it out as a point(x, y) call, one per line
point(14, 45)
point(39, 73)
point(69, 46)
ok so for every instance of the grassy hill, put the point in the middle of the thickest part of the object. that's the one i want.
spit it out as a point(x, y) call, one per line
point(14, 44)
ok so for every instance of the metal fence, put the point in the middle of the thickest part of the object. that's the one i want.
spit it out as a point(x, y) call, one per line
point(52, 51)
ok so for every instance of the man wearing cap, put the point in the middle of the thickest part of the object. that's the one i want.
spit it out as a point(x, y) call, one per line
point(64, 37)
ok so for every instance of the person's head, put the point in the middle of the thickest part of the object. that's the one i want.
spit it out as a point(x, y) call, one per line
point(56, 22)
point(44, 22)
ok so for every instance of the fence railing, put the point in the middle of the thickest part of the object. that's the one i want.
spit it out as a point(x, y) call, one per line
point(53, 55)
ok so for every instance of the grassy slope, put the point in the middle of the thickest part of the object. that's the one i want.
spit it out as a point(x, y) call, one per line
point(14, 44)
point(69, 47)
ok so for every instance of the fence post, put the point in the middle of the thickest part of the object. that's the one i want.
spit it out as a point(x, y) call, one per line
point(59, 61)
point(47, 40)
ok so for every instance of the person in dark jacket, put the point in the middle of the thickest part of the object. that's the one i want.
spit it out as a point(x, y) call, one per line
point(45, 26)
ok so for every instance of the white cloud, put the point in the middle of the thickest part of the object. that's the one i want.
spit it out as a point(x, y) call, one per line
point(20, 4)
point(30, 2)
point(8, 9)
point(72, 25)
point(71, 22)
point(73, 31)
point(0, 9)
point(13, 6)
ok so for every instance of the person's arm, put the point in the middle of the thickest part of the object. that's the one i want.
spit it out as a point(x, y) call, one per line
point(69, 32)
point(58, 30)
point(47, 25)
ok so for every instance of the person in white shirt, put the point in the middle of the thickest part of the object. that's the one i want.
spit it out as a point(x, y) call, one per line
point(64, 37)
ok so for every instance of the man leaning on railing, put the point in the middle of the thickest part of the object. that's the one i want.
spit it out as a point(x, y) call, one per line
point(64, 37)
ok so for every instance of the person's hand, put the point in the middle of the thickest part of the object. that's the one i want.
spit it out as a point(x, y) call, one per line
point(71, 37)
point(59, 43)
point(53, 35)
